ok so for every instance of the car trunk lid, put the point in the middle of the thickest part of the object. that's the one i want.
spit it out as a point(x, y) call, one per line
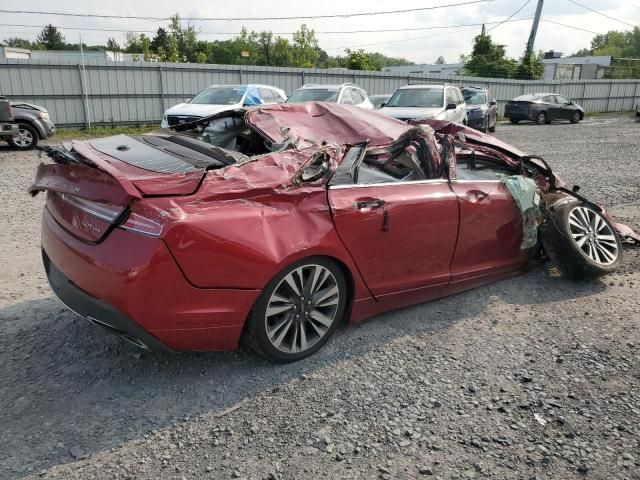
point(92, 185)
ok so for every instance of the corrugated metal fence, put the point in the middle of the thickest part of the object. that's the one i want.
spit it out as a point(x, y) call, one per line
point(127, 93)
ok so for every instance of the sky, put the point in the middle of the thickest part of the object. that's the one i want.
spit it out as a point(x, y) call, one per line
point(420, 46)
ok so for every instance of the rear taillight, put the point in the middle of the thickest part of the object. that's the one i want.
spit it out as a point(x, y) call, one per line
point(140, 224)
point(104, 211)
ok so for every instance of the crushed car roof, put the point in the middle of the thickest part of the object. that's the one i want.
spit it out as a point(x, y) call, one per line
point(319, 122)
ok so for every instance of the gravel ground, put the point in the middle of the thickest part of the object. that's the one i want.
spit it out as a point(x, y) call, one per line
point(532, 377)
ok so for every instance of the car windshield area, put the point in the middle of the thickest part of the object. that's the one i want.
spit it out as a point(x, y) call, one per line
point(417, 97)
point(219, 96)
point(474, 97)
point(313, 95)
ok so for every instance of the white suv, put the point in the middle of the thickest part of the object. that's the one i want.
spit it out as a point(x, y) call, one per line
point(440, 102)
point(346, 93)
point(218, 98)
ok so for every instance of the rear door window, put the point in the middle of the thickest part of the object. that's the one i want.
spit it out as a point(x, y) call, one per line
point(549, 99)
point(347, 99)
point(267, 95)
point(357, 96)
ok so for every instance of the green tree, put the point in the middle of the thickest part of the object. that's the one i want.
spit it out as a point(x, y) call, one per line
point(16, 42)
point(530, 66)
point(305, 48)
point(360, 60)
point(50, 38)
point(113, 45)
point(488, 59)
point(160, 41)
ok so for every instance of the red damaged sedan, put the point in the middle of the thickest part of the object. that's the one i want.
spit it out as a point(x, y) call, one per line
point(275, 224)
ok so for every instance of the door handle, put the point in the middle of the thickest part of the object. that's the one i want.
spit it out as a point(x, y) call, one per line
point(475, 196)
point(368, 204)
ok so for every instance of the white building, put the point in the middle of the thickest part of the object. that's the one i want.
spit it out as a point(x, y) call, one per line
point(576, 68)
point(426, 68)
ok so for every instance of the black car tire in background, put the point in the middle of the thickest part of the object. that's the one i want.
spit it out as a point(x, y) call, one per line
point(541, 118)
point(576, 117)
point(514, 120)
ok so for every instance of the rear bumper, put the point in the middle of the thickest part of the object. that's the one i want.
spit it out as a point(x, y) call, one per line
point(130, 284)
point(96, 311)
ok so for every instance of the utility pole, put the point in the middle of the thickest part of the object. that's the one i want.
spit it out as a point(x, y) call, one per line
point(534, 27)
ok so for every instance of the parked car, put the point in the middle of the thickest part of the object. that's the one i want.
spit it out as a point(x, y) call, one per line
point(8, 129)
point(321, 214)
point(345, 93)
point(34, 124)
point(218, 98)
point(378, 101)
point(440, 102)
point(482, 108)
point(543, 108)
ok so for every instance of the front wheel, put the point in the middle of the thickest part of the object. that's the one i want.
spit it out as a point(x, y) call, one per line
point(581, 241)
point(492, 129)
point(541, 118)
point(298, 311)
point(576, 117)
point(27, 137)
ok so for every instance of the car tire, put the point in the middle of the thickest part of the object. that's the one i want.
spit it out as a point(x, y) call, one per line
point(541, 118)
point(283, 326)
point(581, 241)
point(492, 129)
point(514, 120)
point(576, 117)
point(27, 137)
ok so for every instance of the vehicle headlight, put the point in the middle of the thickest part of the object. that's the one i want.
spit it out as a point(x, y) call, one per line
point(43, 115)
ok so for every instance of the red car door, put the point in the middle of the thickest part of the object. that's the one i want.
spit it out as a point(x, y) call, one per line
point(399, 227)
point(490, 233)
point(401, 236)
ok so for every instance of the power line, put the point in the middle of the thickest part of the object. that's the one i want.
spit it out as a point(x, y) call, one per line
point(235, 19)
point(510, 16)
point(570, 26)
point(384, 30)
point(600, 13)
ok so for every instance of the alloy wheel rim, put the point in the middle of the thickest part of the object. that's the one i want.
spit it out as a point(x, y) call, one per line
point(593, 236)
point(542, 118)
point(576, 117)
point(302, 308)
point(24, 138)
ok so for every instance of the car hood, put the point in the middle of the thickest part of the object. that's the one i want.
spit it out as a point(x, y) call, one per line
point(323, 122)
point(411, 112)
point(199, 109)
point(27, 106)
point(479, 108)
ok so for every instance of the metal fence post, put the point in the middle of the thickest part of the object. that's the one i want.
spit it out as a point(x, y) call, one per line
point(302, 77)
point(609, 97)
point(240, 73)
point(635, 95)
point(161, 86)
point(83, 98)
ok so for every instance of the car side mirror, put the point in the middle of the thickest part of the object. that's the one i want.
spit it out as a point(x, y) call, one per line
point(383, 104)
point(493, 102)
point(451, 106)
point(317, 169)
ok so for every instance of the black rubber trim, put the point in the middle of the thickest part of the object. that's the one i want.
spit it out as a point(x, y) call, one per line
point(97, 311)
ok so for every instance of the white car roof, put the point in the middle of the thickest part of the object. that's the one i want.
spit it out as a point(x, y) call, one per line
point(251, 85)
point(424, 86)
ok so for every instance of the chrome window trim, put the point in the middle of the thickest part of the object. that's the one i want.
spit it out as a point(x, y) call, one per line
point(475, 181)
point(388, 184)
